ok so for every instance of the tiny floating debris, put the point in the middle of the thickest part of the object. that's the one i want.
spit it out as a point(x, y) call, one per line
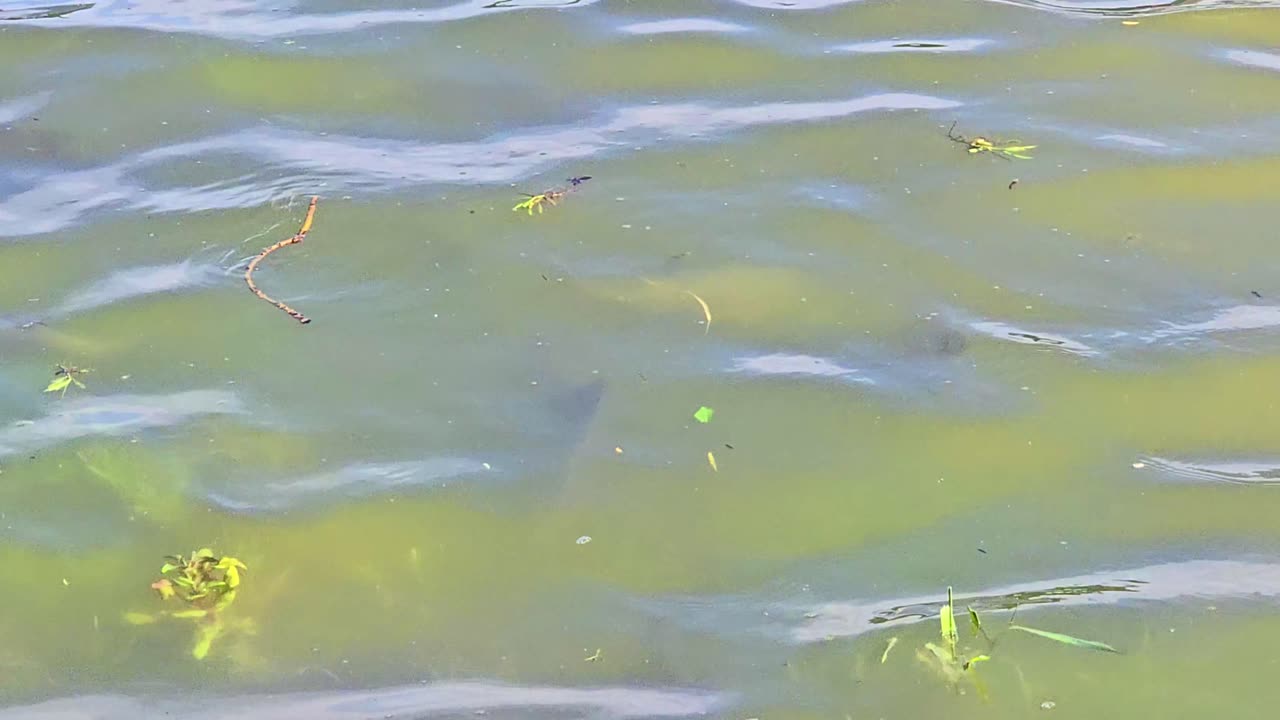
point(1004, 149)
point(549, 197)
point(711, 460)
point(64, 376)
point(296, 239)
point(584, 540)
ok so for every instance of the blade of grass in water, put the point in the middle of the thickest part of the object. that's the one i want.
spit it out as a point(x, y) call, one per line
point(948, 619)
point(1066, 639)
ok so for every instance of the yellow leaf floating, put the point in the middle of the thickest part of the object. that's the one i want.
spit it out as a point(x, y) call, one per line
point(888, 648)
point(706, 309)
point(534, 202)
point(980, 144)
point(711, 460)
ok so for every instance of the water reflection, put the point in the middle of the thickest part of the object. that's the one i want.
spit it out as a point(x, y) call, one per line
point(1217, 579)
point(368, 164)
point(352, 481)
point(1239, 472)
point(113, 415)
point(252, 19)
point(1129, 8)
point(682, 25)
point(434, 700)
point(955, 45)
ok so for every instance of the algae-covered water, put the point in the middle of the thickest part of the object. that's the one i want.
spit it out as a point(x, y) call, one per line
point(475, 485)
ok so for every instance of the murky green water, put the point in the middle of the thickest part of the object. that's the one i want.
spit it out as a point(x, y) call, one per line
point(474, 484)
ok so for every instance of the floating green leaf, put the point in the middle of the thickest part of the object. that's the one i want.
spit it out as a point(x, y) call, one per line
point(1066, 639)
point(975, 621)
point(885, 655)
point(59, 383)
point(704, 414)
point(204, 639)
point(947, 619)
point(187, 614)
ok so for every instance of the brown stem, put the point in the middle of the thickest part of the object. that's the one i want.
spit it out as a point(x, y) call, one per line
point(253, 264)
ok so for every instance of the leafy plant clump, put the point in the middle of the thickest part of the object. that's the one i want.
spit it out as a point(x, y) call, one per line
point(1007, 150)
point(957, 665)
point(206, 585)
point(549, 197)
point(64, 376)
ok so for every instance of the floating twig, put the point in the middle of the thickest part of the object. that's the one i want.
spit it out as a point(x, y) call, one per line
point(253, 264)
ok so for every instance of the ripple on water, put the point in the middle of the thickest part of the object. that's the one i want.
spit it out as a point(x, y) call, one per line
point(1218, 579)
point(1236, 472)
point(114, 415)
point(356, 480)
point(370, 164)
point(1254, 58)
point(1135, 8)
point(420, 701)
point(682, 25)
point(249, 19)
point(946, 45)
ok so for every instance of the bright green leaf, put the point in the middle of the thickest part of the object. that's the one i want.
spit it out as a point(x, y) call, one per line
point(226, 599)
point(975, 621)
point(167, 567)
point(62, 382)
point(947, 618)
point(205, 636)
point(1066, 639)
point(187, 614)
point(885, 655)
point(704, 414)
point(975, 660)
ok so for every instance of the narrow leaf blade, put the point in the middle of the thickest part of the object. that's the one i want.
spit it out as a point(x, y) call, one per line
point(1066, 639)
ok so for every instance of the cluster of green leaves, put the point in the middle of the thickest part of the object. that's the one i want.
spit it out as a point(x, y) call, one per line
point(957, 666)
point(536, 202)
point(204, 581)
point(1006, 150)
point(947, 659)
point(64, 376)
point(206, 584)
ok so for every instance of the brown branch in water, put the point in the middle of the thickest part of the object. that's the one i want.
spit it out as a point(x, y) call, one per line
point(253, 264)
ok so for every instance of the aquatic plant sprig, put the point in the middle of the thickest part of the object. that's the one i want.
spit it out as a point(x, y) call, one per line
point(549, 197)
point(64, 376)
point(1007, 150)
point(207, 585)
point(957, 666)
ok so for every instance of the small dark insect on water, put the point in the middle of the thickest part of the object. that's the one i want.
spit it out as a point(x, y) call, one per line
point(72, 370)
point(576, 181)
